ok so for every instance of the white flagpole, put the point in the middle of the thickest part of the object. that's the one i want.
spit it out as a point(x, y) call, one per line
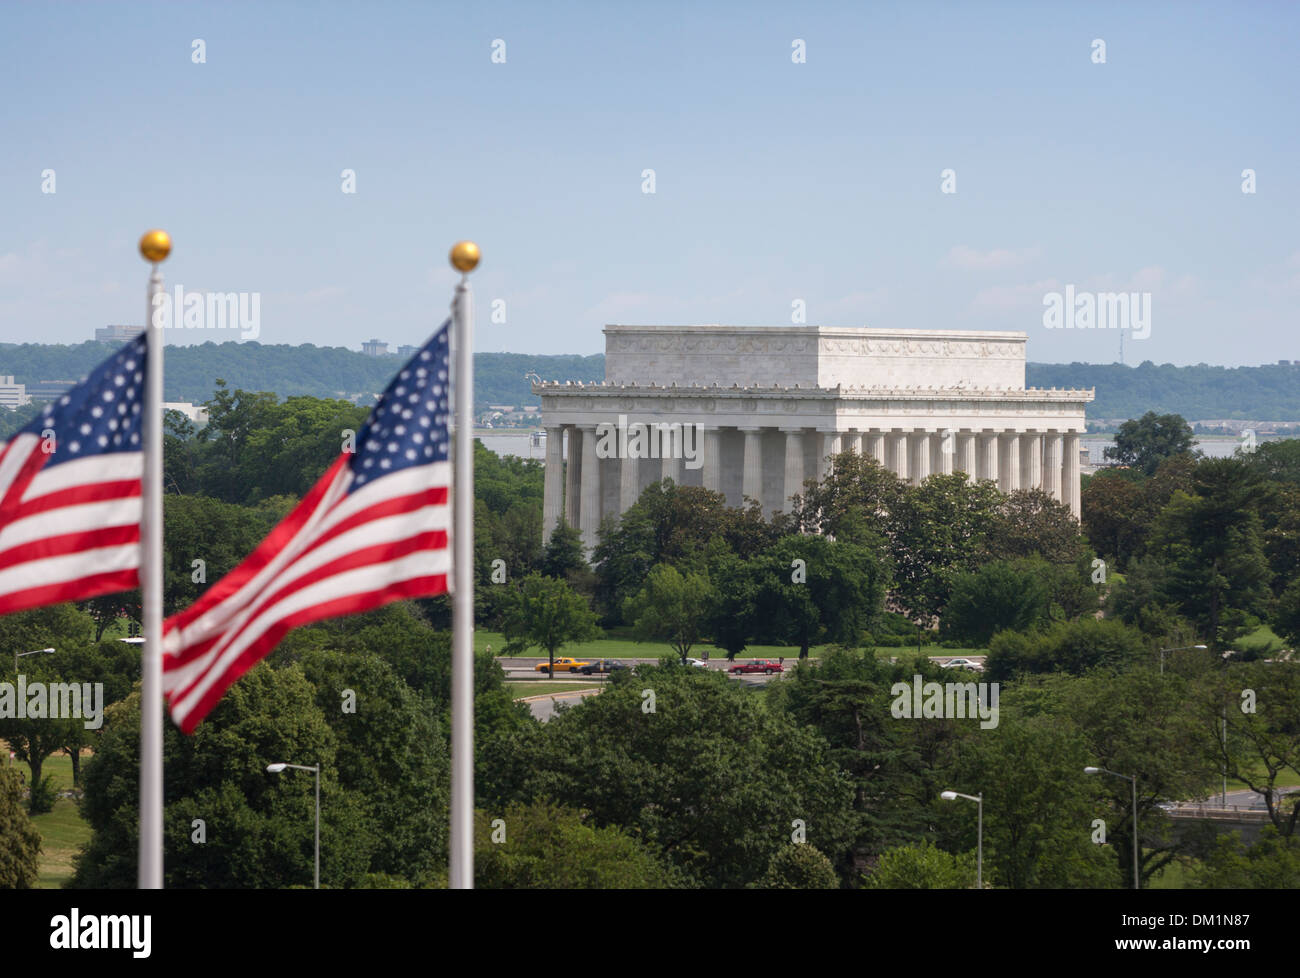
point(154, 246)
point(464, 257)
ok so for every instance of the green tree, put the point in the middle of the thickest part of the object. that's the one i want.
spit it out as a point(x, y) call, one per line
point(1114, 516)
point(1147, 441)
point(1248, 715)
point(857, 488)
point(1272, 863)
point(1138, 723)
point(672, 608)
point(923, 867)
point(546, 846)
point(20, 841)
point(940, 528)
point(1073, 647)
point(259, 827)
point(61, 627)
point(391, 753)
point(545, 613)
point(812, 590)
point(564, 553)
point(1037, 804)
point(798, 867)
point(732, 618)
point(999, 595)
point(1211, 544)
point(710, 775)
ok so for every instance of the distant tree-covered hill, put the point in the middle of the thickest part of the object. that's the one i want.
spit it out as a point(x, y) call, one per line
point(1201, 392)
point(1267, 393)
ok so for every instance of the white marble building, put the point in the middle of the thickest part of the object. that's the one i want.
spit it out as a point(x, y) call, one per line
point(772, 403)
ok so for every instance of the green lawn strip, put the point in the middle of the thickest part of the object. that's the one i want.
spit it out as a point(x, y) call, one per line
point(623, 648)
point(1263, 640)
point(1176, 876)
point(520, 690)
point(57, 765)
point(63, 833)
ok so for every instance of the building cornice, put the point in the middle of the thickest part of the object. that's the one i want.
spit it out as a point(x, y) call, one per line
point(605, 389)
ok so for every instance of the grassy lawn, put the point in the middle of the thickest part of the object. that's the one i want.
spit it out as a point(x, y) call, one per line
point(520, 690)
point(1175, 876)
point(1263, 639)
point(624, 648)
point(63, 831)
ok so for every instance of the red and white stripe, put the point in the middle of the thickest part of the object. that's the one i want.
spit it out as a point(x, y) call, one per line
point(337, 553)
point(70, 531)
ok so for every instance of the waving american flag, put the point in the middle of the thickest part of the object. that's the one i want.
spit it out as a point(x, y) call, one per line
point(70, 491)
point(374, 529)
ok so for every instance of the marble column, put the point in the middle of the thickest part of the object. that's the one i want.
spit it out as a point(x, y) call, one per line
point(1009, 461)
point(573, 475)
point(670, 455)
point(876, 445)
point(1072, 488)
point(553, 493)
point(853, 441)
point(919, 468)
point(712, 459)
point(830, 447)
point(590, 509)
point(1031, 460)
point(752, 476)
point(967, 448)
point(945, 452)
point(896, 453)
point(793, 466)
point(629, 482)
point(1052, 464)
point(988, 455)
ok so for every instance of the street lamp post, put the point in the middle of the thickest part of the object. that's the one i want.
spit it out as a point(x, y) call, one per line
point(315, 768)
point(19, 655)
point(1181, 648)
point(1132, 779)
point(979, 857)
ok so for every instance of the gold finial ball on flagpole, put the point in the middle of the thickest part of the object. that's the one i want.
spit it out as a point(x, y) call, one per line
point(155, 245)
point(464, 256)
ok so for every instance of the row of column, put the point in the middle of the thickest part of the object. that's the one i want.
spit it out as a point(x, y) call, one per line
point(1047, 460)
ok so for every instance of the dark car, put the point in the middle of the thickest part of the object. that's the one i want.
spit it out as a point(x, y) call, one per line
point(765, 666)
point(601, 666)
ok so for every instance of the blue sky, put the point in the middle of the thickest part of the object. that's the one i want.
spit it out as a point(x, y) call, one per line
point(775, 181)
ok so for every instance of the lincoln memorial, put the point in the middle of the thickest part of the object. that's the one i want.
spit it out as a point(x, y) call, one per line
point(755, 411)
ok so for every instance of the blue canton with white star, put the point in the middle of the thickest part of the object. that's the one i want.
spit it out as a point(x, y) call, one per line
point(410, 424)
point(101, 414)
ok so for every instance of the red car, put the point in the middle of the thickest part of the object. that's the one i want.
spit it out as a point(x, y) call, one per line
point(765, 666)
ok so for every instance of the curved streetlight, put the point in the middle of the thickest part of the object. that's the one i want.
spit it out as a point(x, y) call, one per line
point(19, 655)
point(979, 859)
point(1134, 781)
point(1181, 648)
point(279, 766)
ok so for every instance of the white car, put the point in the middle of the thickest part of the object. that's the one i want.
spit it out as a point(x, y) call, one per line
point(698, 663)
point(963, 664)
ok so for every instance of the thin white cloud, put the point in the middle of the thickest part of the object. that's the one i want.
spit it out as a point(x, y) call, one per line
point(972, 259)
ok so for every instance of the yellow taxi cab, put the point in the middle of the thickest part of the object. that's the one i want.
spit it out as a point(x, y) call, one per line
point(561, 665)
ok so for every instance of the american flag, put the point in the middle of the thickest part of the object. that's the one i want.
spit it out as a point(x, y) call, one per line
point(374, 529)
point(70, 491)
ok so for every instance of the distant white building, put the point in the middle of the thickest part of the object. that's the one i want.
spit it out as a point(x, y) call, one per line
point(117, 334)
point(407, 351)
point(49, 390)
point(773, 405)
point(12, 395)
point(374, 348)
point(195, 412)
